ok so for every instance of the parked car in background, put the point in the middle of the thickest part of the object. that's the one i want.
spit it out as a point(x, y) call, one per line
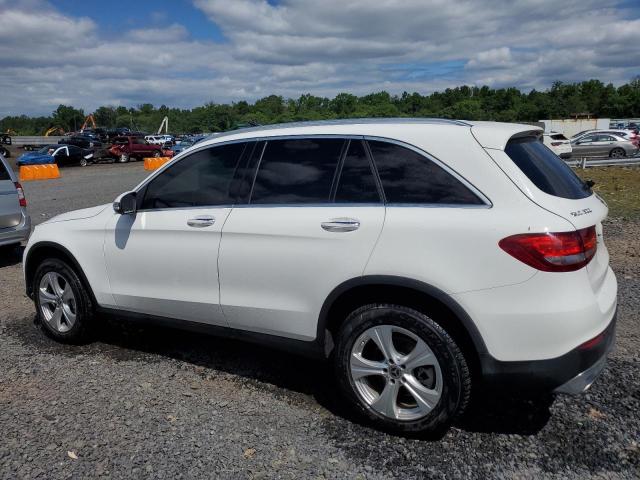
point(15, 223)
point(159, 139)
point(124, 149)
point(558, 144)
point(82, 141)
point(98, 133)
point(315, 237)
point(626, 133)
point(62, 155)
point(183, 145)
point(117, 132)
point(603, 145)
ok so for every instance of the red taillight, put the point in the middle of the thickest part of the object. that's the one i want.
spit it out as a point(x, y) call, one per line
point(21, 198)
point(553, 252)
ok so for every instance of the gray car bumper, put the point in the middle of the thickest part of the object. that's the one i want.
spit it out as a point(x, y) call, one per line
point(9, 236)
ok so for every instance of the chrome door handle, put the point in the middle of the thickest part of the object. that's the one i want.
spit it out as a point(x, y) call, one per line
point(341, 225)
point(201, 221)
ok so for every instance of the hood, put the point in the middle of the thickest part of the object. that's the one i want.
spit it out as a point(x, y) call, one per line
point(79, 214)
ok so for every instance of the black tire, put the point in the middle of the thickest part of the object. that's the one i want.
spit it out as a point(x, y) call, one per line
point(617, 153)
point(456, 378)
point(84, 162)
point(81, 330)
point(156, 154)
point(123, 158)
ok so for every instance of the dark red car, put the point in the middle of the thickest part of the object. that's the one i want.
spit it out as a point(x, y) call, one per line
point(126, 148)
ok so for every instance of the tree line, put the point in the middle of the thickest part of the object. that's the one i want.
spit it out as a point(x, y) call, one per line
point(470, 103)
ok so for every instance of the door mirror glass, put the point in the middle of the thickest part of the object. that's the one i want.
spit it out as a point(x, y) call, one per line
point(125, 204)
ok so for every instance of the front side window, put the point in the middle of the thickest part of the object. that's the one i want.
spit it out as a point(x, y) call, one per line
point(297, 171)
point(203, 178)
point(410, 178)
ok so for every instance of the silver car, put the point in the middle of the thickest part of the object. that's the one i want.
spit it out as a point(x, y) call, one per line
point(15, 223)
point(603, 145)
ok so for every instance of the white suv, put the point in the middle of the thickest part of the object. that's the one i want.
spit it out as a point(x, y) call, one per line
point(421, 257)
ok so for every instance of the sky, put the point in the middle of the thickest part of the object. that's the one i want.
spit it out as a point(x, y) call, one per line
point(184, 53)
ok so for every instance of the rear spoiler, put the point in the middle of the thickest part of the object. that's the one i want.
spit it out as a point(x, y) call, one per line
point(496, 135)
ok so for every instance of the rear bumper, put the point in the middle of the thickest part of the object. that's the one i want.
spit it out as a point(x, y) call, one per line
point(9, 236)
point(571, 373)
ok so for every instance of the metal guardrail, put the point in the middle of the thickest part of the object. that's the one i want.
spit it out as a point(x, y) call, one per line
point(603, 162)
point(34, 140)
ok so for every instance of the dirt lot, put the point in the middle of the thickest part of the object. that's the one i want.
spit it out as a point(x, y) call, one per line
point(155, 403)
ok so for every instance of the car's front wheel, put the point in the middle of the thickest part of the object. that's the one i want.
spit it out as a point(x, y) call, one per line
point(401, 370)
point(123, 158)
point(156, 154)
point(63, 304)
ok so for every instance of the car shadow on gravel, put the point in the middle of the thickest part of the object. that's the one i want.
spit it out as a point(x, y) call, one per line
point(10, 256)
point(491, 411)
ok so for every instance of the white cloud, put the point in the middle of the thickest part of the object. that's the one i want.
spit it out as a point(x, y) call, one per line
point(301, 46)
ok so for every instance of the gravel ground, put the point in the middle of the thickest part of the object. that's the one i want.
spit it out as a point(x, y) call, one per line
point(156, 403)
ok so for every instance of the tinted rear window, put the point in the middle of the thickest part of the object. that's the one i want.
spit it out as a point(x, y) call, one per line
point(545, 169)
point(4, 175)
point(297, 171)
point(410, 178)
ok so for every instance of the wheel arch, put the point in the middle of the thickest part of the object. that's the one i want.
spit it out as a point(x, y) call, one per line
point(404, 291)
point(43, 250)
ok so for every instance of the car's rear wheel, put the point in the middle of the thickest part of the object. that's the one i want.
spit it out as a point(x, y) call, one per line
point(617, 153)
point(123, 158)
point(63, 304)
point(401, 370)
point(83, 162)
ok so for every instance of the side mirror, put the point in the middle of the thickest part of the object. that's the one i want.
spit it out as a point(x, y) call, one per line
point(125, 204)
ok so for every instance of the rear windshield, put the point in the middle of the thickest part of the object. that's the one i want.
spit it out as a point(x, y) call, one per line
point(545, 169)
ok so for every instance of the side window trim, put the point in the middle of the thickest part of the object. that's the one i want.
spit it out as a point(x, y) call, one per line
point(481, 196)
point(338, 171)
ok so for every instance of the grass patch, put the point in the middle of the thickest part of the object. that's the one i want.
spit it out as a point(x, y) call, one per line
point(619, 186)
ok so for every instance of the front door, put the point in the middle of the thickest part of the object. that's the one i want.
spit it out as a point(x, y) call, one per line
point(164, 259)
point(314, 216)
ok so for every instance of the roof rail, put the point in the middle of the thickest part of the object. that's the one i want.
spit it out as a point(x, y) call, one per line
point(345, 121)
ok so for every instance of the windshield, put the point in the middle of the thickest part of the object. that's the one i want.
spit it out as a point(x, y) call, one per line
point(48, 150)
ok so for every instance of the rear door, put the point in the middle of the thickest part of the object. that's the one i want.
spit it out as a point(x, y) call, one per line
point(314, 215)
point(10, 212)
point(586, 146)
point(603, 145)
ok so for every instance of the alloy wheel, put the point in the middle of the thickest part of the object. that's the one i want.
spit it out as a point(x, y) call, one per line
point(395, 373)
point(57, 302)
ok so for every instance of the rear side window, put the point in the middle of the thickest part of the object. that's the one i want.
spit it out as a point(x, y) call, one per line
point(545, 169)
point(203, 178)
point(4, 174)
point(297, 171)
point(357, 183)
point(410, 178)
